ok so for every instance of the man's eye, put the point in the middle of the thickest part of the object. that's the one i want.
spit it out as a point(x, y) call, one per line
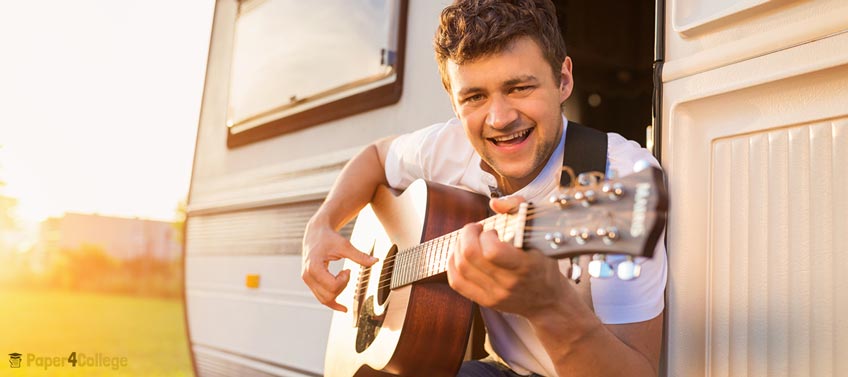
point(473, 98)
point(521, 88)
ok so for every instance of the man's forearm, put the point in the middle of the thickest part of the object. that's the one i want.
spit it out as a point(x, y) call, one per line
point(580, 345)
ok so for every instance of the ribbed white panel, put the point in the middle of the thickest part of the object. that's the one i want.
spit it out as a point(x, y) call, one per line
point(260, 231)
point(778, 301)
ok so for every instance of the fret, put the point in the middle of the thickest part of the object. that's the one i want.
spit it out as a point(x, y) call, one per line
point(416, 263)
point(443, 252)
point(433, 268)
point(398, 270)
point(428, 256)
point(419, 261)
point(500, 225)
point(428, 253)
point(437, 246)
point(410, 267)
point(394, 275)
point(422, 261)
point(406, 267)
point(399, 260)
point(437, 256)
point(419, 265)
point(454, 244)
point(509, 231)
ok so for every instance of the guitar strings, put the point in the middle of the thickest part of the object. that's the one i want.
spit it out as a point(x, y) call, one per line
point(425, 248)
point(529, 216)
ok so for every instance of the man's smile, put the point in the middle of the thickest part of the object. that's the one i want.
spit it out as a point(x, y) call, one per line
point(511, 139)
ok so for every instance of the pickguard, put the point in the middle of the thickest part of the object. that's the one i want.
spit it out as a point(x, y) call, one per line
point(369, 324)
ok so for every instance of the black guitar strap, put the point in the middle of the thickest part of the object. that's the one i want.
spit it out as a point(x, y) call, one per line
point(585, 150)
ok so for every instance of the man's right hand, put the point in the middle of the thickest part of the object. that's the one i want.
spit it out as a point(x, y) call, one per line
point(322, 245)
point(322, 242)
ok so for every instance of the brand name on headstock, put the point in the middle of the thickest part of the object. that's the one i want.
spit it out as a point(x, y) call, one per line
point(640, 209)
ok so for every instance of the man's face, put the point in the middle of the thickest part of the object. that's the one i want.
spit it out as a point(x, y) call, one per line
point(509, 104)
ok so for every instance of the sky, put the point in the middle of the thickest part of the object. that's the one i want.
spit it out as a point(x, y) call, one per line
point(99, 104)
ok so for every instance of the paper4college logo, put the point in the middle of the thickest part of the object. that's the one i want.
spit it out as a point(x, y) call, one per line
point(15, 360)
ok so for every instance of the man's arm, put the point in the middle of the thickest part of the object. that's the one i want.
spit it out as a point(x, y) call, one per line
point(588, 348)
point(322, 243)
point(499, 276)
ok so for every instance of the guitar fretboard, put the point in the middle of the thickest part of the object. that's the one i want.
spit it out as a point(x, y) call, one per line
point(431, 258)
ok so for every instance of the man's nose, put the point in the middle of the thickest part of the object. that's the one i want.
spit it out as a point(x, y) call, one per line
point(501, 112)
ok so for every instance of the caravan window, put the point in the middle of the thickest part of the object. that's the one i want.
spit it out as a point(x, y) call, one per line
point(300, 63)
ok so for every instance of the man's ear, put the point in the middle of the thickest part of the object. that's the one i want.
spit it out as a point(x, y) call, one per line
point(566, 80)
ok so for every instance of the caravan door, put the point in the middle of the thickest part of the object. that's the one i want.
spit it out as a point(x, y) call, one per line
point(755, 143)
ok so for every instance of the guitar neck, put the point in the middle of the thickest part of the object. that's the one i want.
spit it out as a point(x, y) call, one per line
point(431, 258)
point(623, 216)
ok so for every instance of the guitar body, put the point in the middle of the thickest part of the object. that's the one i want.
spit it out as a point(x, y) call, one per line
point(418, 329)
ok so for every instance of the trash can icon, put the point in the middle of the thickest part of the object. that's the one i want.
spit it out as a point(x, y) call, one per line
point(15, 360)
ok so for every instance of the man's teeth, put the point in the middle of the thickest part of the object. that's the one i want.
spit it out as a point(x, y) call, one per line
point(516, 135)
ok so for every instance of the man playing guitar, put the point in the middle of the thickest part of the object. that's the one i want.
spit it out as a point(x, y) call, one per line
point(504, 66)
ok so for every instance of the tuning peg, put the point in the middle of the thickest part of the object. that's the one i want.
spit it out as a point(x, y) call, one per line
point(585, 179)
point(574, 270)
point(628, 269)
point(555, 239)
point(580, 235)
point(599, 268)
point(586, 197)
point(608, 234)
point(562, 199)
point(613, 190)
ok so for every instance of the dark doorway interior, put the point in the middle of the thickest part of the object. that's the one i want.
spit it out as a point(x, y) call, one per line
point(611, 43)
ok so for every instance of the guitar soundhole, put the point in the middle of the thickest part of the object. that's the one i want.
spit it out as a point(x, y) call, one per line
point(386, 276)
point(368, 325)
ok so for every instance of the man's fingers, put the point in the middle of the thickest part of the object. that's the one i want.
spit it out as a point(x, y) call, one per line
point(464, 286)
point(469, 240)
point(357, 256)
point(328, 287)
point(507, 204)
point(498, 253)
point(317, 272)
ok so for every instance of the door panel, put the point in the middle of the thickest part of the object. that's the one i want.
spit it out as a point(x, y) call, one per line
point(756, 152)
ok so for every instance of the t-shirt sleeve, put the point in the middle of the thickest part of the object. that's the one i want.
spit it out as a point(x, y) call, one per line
point(438, 153)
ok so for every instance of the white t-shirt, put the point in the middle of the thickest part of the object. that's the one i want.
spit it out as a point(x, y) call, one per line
point(441, 153)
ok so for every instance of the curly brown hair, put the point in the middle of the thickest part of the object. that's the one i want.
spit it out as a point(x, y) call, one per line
point(470, 29)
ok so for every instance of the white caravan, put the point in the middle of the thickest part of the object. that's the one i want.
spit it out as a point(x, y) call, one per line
point(748, 101)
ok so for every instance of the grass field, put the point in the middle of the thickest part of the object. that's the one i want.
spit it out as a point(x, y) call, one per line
point(148, 332)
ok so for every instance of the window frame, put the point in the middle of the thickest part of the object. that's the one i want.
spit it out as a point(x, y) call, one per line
point(381, 96)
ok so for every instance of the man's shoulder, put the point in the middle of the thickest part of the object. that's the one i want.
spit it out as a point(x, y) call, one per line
point(623, 153)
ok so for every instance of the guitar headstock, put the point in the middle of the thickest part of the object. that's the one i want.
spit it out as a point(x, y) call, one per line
point(623, 216)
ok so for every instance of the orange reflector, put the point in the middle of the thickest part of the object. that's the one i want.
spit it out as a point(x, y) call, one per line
point(252, 281)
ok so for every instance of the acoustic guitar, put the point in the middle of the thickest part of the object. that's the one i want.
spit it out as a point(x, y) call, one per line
point(404, 319)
